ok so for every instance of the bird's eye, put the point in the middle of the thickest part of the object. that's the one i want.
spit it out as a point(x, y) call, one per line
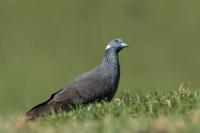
point(116, 40)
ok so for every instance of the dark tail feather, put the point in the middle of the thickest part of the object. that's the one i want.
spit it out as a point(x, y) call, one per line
point(42, 109)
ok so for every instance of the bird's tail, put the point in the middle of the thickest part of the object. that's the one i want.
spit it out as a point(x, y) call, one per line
point(42, 109)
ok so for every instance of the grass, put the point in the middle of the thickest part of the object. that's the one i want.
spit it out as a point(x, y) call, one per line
point(161, 112)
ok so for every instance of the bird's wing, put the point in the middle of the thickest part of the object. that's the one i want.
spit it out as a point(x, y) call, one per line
point(85, 88)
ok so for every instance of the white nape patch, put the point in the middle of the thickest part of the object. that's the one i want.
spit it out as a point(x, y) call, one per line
point(108, 46)
point(123, 44)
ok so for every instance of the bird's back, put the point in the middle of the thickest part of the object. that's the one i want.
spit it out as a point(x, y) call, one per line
point(95, 85)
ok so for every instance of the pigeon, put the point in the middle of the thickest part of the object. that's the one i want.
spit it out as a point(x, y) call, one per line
point(96, 85)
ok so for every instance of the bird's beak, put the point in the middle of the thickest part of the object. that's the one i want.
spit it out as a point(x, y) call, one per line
point(123, 45)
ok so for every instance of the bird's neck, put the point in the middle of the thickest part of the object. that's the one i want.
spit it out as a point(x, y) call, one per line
point(111, 59)
point(112, 66)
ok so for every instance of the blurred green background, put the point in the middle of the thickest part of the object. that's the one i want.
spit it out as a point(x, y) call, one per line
point(46, 43)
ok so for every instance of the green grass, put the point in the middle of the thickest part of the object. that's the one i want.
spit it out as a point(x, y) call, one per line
point(162, 112)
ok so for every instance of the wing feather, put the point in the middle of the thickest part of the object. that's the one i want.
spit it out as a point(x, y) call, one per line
point(86, 88)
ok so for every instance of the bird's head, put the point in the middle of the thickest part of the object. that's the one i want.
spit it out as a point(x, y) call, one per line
point(116, 44)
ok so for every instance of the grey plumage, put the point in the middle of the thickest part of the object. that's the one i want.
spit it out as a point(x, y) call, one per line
point(98, 84)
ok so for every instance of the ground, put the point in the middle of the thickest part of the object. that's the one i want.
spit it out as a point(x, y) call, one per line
point(172, 111)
